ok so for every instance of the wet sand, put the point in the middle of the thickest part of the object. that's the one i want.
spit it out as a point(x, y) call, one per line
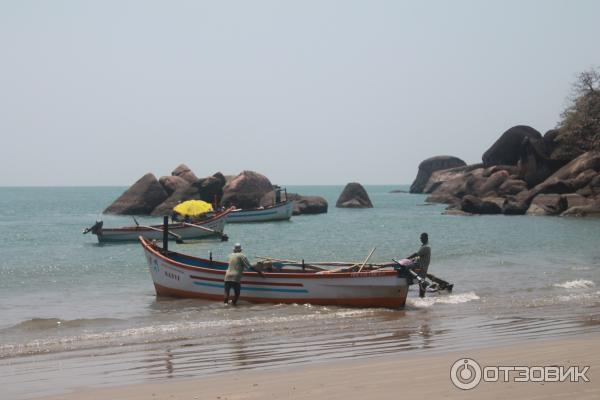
point(394, 377)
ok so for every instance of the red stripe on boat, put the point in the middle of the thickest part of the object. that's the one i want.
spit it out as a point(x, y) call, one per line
point(390, 302)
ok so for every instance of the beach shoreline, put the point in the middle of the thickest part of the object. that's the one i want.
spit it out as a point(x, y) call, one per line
point(388, 377)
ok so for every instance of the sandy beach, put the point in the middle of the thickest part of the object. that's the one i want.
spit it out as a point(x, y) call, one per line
point(426, 376)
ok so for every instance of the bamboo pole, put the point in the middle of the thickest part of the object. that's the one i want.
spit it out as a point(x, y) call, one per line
point(220, 234)
point(176, 236)
point(367, 259)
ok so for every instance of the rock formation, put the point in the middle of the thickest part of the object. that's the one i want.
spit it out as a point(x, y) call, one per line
point(506, 149)
point(354, 195)
point(140, 199)
point(184, 172)
point(246, 190)
point(431, 165)
point(472, 190)
point(209, 189)
point(172, 183)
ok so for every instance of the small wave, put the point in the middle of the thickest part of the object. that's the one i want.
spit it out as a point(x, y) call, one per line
point(576, 284)
point(451, 299)
point(42, 324)
point(580, 268)
point(151, 333)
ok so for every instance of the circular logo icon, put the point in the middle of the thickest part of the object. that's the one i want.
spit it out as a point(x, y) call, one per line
point(465, 373)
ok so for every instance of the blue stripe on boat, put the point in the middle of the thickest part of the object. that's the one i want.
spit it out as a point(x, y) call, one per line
point(253, 214)
point(256, 289)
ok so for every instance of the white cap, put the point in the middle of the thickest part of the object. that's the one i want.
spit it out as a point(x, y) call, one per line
point(237, 247)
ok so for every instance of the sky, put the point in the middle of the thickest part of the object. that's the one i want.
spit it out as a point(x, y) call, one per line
point(304, 92)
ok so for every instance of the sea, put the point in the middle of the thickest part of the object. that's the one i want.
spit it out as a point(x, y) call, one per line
point(75, 313)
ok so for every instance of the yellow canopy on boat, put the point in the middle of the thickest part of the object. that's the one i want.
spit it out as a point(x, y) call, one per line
point(193, 208)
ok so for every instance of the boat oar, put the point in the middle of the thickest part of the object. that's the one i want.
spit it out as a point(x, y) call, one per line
point(222, 235)
point(178, 238)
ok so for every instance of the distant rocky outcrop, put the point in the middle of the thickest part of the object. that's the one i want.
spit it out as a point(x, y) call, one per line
point(354, 195)
point(525, 172)
point(249, 189)
point(505, 151)
point(140, 199)
point(431, 165)
point(246, 190)
point(473, 189)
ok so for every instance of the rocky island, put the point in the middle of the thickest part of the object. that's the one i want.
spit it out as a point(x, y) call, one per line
point(249, 189)
point(525, 172)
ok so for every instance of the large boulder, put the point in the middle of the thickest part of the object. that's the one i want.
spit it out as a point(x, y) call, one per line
point(354, 195)
point(547, 204)
point(246, 190)
point(172, 183)
point(586, 161)
point(592, 188)
point(576, 174)
point(455, 176)
point(512, 186)
point(535, 162)
point(475, 205)
point(445, 198)
point(310, 205)
point(185, 193)
point(140, 199)
point(506, 150)
point(486, 186)
point(183, 171)
point(590, 210)
point(576, 200)
point(431, 165)
point(209, 189)
point(514, 207)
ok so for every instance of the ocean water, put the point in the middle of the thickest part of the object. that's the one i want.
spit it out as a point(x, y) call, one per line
point(75, 313)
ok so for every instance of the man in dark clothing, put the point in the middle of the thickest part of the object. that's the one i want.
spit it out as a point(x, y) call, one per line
point(421, 261)
point(233, 277)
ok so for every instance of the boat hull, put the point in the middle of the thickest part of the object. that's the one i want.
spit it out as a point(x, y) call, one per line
point(278, 212)
point(132, 233)
point(175, 276)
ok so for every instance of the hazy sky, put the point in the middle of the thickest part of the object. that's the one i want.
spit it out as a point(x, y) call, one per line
point(305, 92)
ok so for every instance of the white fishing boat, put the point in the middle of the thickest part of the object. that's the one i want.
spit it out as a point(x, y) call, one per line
point(210, 227)
point(277, 212)
point(179, 275)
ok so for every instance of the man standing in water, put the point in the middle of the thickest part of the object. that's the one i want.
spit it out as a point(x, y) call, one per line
point(421, 261)
point(237, 263)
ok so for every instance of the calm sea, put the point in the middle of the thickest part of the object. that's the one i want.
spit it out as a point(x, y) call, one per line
point(75, 313)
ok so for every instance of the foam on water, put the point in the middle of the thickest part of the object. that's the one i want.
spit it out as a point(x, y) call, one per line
point(443, 299)
point(160, 332)
point(581, 298)
point(576, 284)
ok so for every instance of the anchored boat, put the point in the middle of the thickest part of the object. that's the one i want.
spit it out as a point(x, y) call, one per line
point(213, 226)
point(277, 212)
point(179, 275)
